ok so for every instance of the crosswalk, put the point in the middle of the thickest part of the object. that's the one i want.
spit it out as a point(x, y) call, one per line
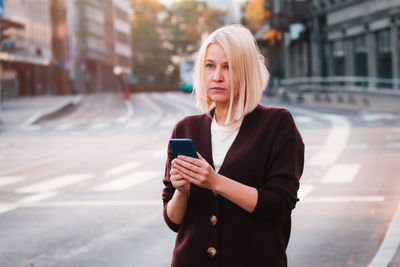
point(322, 156)
point(116, 179)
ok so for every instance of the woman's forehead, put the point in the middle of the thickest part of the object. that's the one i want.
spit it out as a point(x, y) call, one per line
point(215, 52)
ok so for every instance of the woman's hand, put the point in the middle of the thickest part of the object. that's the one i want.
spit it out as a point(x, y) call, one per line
point(196, 171)
point(178, 181)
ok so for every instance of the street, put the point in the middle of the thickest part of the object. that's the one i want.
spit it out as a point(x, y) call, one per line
point(84, 188)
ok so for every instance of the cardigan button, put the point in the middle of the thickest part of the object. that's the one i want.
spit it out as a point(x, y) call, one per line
point(215, 194)
point(212, 252)
point(213, 220)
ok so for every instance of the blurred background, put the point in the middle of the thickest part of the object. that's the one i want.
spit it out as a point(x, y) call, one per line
point(91, 90)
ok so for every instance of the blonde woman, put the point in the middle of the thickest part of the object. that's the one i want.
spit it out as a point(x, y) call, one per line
point(232, 206)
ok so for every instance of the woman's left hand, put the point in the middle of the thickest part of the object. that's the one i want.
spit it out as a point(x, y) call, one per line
point(197, 171)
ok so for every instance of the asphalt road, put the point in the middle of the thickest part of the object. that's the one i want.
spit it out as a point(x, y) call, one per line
point(84, 189)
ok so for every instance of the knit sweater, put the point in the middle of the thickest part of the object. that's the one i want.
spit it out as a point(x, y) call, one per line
point(267, 154)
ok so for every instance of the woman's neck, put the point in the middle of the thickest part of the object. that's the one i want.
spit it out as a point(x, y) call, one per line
point(221, 115)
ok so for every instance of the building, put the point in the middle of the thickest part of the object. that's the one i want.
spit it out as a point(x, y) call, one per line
point(361, 38)
point(122, 34)
point(86, 21)
point(60, 48)
point(352, 43)
point(99, 41)
point(30, 56)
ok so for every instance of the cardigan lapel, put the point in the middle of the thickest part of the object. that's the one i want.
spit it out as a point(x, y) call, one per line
point(208, 146)
point(242, 135)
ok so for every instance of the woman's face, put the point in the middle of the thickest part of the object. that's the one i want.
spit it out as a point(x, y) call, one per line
point(217, 75)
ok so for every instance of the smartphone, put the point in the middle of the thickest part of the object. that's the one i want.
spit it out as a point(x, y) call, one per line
point(183, 147)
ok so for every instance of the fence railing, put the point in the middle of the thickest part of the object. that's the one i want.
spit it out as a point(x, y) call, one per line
point(351, 84)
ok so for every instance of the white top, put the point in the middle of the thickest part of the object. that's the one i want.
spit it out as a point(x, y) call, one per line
point(222, 138)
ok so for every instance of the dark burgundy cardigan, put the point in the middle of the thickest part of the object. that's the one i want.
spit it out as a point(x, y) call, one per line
point(268, 154)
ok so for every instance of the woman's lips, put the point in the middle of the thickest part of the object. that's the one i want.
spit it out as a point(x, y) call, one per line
point(217, 89)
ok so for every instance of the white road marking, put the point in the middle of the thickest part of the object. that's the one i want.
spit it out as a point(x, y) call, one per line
point(6, 180)
point(64, 127)
point(128, 114)
point(158, 153)
point(348, 146)
point(303, 119)
point(121, 169)
point(341, 173)
point(128, 181)
point(379, 116)
point(30, 128)
point(5, 207)
point(134, 124)
point(38, 197)
point(150, 103)
point(106, 203)
point(304, 190)
point(182, 105)
point(168, 123)
point(99, 125)
point(335, 143)
point(55, 183)
point(343, 199)
point(390, 243)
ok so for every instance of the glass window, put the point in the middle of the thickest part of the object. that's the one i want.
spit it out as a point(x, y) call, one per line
point(360, 56)
point(339, 66)
point(384, 55)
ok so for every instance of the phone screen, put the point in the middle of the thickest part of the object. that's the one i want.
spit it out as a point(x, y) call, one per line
point(183, 147)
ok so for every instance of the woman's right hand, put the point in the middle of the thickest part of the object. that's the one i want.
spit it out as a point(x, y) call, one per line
point(178, 181)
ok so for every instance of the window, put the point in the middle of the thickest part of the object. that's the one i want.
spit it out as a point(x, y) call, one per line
point(338, 53)
point(360, 56)
point(384, 55)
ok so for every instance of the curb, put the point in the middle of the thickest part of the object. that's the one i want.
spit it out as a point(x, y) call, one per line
point(53, 111)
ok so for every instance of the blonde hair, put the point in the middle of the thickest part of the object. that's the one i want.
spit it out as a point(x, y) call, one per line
point(247, 70)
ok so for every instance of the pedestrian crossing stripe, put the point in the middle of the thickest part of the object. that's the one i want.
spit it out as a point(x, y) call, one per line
point(55, 183)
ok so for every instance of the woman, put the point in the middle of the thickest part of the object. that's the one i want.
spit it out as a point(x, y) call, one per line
point(232, 206)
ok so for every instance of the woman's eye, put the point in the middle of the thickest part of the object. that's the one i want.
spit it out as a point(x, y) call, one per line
point(226, 67)
point(209, 66)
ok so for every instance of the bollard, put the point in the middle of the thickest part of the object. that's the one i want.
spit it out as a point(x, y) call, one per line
point(127, 93)
point(366, 101)
point(300, 98)
point(351, 99)
point(340, 98)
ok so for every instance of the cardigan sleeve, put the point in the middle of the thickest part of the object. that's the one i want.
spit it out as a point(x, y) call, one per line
point(168, 190)
point(278, 194)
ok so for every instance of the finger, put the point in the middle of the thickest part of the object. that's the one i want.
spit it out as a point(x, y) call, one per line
point(181, 183)
point(187, 165)
point(188, 174)
point(194, 161)
point(200, 156)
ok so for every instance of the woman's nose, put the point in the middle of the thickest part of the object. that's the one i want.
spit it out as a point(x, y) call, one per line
point(218, 77)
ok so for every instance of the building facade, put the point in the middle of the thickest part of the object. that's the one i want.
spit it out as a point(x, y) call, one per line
point(31, 55)
point(355, 42)
point(60, 48)
point(99, 41)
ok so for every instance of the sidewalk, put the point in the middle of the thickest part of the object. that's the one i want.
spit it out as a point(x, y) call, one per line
point(26, 111)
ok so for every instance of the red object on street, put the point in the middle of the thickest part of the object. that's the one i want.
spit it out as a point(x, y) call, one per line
point(127, 93)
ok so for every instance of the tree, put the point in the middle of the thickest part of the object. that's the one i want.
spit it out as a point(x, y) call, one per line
point(187, 22)
point(255, 14)
point(159, 33)
point(150, 59)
